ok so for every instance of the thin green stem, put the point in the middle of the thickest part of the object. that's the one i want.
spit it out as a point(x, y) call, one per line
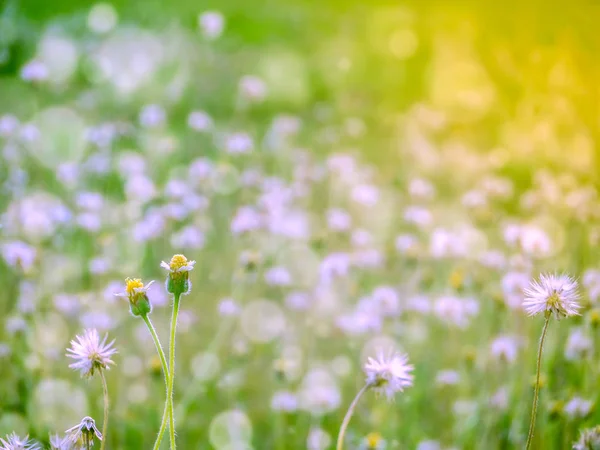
point(340, 441)
point(105, 423)
point(165, 369)
point(537, 383)
point(172, 370)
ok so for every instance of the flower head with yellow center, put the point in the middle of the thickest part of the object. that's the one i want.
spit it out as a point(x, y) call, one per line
point(374, 440)
point(552, 294)
point(137, 294)
point(179, 273)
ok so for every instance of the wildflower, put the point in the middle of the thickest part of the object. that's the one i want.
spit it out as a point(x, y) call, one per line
point(58, 443)
point(211, 24)
point(179, 272)
point(137, 294)
point(578, 408)
point(91, 353)
point(374, 441)
point(388, 375)
point(83, 433)
point(578, 345)
point(14, 442)
point(552, 294)
point(588, 440)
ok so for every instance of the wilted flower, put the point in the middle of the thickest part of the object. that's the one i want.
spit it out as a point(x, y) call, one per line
point(83, 433)
point(91, 353)
point(137, 294)
point(179, 273)
point(14, 442)
point(389, 374)
point(552, 294)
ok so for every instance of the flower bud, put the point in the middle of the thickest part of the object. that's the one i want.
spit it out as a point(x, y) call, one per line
point(179, 268)
point(136, 293)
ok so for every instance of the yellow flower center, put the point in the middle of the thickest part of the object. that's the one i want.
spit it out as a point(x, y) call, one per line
point(177, 262)
point(133, 283)
point(373, 439)
point(554, 300)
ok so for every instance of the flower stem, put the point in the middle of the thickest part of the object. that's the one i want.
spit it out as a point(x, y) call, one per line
point(537, 383)
point(105, 423)
point(172, 370)
point(165, 369)
point(340, 441)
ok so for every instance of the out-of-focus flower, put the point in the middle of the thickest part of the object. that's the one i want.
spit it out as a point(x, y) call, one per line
point(552, 294)
point(90, 353)
point(253, 88)
point(505, 348)
point(578, 345)
point(14, 442)
point(578, 408)
point(588, 439)
point(284, 401)
point(199, 121)
point(389, 374)
point(211, 24)
point(19, 254)
point(35, 71)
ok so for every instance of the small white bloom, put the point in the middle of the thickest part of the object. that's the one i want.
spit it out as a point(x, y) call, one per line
point(389, 374)
point(552, 294)
point(90, 353)
point(83, 433)
point(179, 263)
point(14, 442)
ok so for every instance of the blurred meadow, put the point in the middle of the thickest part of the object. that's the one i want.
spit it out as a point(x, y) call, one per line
point(348, 176)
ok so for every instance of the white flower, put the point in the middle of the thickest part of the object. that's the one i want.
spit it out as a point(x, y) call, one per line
point(552, 294)
point(179, 263)
point(388, 375)
point(14, 442)
point(90, 353)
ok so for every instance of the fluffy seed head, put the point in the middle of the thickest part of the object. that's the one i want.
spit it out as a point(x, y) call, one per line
point(389, 374)
point(90, 353)
point(552, 294)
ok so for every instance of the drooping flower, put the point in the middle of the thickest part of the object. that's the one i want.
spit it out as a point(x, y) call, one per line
point(179, 273)
point(556, 294)
point(14, 442)
point(83, 433)
point(389, 374)
point(90, 353)
point(137, 294)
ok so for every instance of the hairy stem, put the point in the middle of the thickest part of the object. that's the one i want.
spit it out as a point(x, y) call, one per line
point(172, 370)
point(340, 441)
point(536, 391)
point(165, 369)
point(105, 423)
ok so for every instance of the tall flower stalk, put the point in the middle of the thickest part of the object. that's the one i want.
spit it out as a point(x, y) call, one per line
point(165, 369)
point(178, 284)
point(551, 294)
point(106, 405)
point(386, 375)
point(140, 306)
